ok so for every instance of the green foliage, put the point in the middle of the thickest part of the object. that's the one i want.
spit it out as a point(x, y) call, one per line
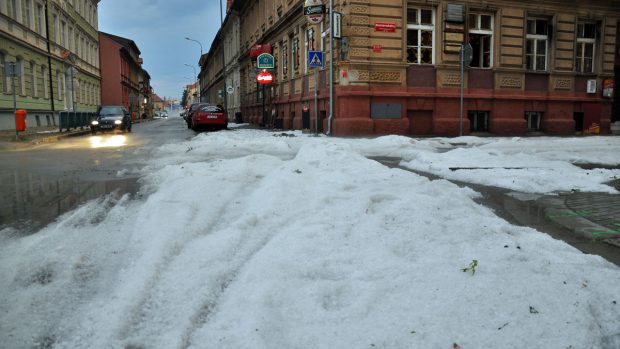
point(472, 267)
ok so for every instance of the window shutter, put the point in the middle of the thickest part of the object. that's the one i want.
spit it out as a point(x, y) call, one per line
point(455, 13)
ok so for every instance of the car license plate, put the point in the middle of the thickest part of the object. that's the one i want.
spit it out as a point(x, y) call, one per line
point(211, 116)
point(106, 126)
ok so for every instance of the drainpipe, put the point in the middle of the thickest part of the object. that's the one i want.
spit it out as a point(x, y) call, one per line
point(49, 61)
point(332, 56)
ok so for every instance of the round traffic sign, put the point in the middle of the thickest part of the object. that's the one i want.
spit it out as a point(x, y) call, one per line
point(264, 77)
point(313, 10)
point(230, 89)
point(466, 54)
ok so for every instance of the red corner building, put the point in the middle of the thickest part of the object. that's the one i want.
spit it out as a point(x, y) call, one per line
point(120, 71)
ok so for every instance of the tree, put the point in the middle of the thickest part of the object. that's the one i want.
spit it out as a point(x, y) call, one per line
point(184, 98)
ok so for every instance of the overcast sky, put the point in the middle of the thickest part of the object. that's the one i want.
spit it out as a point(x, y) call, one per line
point(159, 28)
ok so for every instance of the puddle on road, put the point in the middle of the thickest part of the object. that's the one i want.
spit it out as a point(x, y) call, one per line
point(30, 201)
point(522, 210)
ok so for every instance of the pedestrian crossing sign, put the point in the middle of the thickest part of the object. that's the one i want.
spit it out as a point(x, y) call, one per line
point(315, 59)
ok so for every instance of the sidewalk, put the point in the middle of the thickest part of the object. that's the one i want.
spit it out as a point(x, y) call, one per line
point(594, 216)
point(36, 135)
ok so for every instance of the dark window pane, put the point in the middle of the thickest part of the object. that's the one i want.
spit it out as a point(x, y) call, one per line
point(485, 22)
point(412, 37)
point(412, 16)
point(531, 26)
point(540, 63)
point(541, 47)
point(541, 27)
point(412, 55)
point(427, 38)
point(580, 30)
point(486, 51)
point(474, 41)
point(427, 55)
point(578, 64)
point(529, 47)
point(589, 31)
point(529, 62)
point(587, 65)
point(589, 52)
point(473, 21)
point(427, 16)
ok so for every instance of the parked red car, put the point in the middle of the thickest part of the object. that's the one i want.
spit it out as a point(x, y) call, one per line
point(209, 116)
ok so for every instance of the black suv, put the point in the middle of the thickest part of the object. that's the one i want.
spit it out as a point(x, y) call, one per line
point(111, 117)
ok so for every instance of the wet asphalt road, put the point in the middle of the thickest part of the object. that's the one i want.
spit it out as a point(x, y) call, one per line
point(40, 183)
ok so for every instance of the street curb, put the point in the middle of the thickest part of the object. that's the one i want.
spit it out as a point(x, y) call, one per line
point(56, 138)
point(557, 212)
point(42, 140)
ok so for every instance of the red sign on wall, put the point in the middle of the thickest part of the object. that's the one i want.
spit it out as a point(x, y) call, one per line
point(377, 48)
point(385, 27)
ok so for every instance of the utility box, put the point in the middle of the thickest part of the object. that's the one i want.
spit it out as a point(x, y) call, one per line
point(20, 120)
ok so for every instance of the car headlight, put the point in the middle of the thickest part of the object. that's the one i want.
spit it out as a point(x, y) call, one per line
point(94, 122)
point(117, 122)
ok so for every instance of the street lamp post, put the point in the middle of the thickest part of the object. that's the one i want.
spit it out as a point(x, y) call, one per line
point(223, 57)
point(198, 78)
point(196, 75)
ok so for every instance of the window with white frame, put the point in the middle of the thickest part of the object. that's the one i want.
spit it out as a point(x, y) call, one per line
point(586, 42)
point(56, 29)
point(309, 45)
point(420, 35)
point(536, 44)
point(39, 19)
point(478, 120)
point(32, 73)
point(533, 120)
point(46, 82)
point(59, 84)
point(21, 80)
point(295, 54)
point(3, 79)
point(481, 39)
point(63, 34)
point(27, 13)
point(12, 9)
point(284, 60)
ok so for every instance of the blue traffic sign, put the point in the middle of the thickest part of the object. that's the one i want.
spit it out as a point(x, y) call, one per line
point(315, 59)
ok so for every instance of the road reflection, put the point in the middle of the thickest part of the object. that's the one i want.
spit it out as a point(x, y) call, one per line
point(31, 201)
point(108, 141)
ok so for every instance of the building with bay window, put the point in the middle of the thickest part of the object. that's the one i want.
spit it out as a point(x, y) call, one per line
point(536, 67)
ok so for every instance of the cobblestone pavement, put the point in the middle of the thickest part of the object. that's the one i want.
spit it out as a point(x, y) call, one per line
point(598, 208)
